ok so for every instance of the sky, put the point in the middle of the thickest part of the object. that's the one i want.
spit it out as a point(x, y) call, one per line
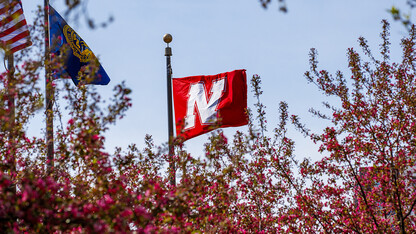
point(211, 37)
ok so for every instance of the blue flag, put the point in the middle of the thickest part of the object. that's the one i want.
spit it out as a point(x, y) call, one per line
point(79, 55)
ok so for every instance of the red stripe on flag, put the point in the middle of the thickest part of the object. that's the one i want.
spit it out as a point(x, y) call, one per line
point(8, 7)
point(18, 37)
point(20, 47)
point(14, 28)
point(10, 18)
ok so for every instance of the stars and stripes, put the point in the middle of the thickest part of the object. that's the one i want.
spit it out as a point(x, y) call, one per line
point(14, 32)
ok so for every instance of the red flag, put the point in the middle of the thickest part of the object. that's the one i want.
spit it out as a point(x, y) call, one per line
point(14, 33)
point(203, 103)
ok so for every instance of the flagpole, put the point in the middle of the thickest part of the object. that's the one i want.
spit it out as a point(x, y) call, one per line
point(167, 38)
point(11, 105)
point(48, 93)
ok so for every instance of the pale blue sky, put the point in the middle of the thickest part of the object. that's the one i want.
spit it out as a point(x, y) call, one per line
point(215, 36)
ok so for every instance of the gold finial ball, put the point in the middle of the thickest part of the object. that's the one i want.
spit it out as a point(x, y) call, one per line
point(167, 38)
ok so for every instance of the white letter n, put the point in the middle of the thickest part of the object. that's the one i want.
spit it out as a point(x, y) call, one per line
point(207, 109)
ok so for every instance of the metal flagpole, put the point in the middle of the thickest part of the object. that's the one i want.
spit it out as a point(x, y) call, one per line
point(168, 52)
point(11, 89)
point(48, 93)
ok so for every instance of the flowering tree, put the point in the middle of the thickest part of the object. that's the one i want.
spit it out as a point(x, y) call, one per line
point(367, 183)
point(248, 183)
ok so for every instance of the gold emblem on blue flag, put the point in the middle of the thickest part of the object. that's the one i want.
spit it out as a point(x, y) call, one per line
point(80, 49)
point(79, 56)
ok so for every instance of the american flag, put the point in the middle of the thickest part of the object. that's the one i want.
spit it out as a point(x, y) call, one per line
point(14, 33)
